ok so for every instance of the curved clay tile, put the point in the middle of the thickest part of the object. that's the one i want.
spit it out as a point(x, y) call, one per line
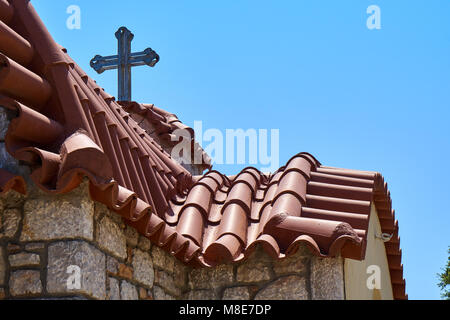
point(6, 11)
point(14, 45)
point(9, 181)
point(32, 126)
point(165, 125)
point(79, 151)
point(20, 83)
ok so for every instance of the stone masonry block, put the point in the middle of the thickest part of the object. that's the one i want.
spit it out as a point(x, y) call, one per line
point(327, 279)
point(213, 278)
point(128, 291)
point(143, 268)
point(24, 260)
point(63, 257)
point(57, 218)
point(25, 283)
point(111, 238)
point(286, 288)
point(236, 293)
point(9, 223)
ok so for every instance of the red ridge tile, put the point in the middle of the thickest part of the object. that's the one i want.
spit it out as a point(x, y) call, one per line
point(9, 181)
point(20, 83)
point(15, 46)
point(6, 11)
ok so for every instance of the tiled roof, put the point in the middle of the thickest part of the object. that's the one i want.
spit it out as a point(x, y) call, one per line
point(68, 128)
point(164, 127)
point(303, 202)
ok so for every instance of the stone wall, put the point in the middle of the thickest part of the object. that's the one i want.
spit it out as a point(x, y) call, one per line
point(43, 237)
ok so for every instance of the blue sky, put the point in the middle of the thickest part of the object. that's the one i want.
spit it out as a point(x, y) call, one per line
point(355, 98)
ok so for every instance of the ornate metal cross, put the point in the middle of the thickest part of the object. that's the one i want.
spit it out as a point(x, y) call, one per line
point(123, 61)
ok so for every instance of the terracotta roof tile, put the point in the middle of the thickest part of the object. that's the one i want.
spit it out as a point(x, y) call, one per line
point(9, 181)
point(67, 128)
point(6, 11)
point(163, 126)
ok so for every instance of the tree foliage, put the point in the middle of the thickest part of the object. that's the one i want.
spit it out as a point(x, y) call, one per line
point(444, 279)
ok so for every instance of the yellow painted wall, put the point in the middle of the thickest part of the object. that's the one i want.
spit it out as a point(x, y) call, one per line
point(356, 271)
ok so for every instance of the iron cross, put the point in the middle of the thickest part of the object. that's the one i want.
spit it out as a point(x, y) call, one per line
point(123, 61)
